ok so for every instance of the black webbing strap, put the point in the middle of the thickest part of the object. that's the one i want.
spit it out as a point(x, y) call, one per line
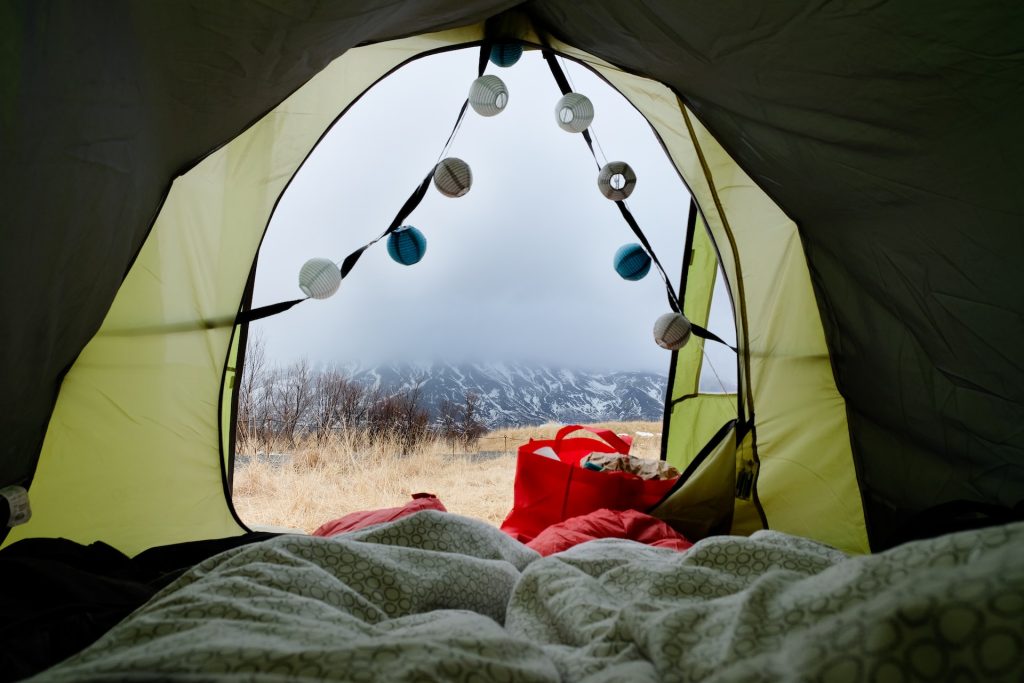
point(485, 54)
point(674, 301)
point(704, 333)
point(266, 311)
point(410, 205)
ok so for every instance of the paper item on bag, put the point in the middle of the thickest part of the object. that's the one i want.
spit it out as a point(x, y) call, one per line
point(547, 452)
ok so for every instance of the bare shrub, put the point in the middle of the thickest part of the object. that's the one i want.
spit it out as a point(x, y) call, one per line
point(281, 406)
point(399, 417)
point(252, 409)
point(330, 390)
point(461, 423)
point(293, 398)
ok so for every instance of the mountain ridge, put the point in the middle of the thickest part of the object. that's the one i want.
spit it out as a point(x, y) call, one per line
point(513, 394)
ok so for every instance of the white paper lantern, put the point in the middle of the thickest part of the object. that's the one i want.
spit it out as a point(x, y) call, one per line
point(616, 180)
point(574, 112)
point(319, 278)
point(488, 95)
point(672, 331)
point(452, 177)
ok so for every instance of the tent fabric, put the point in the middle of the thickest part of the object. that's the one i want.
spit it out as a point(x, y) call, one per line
point(702, 502)
point(700, 415)
point(101, 107)
point(787, 385)
point(142, 399)
point(890, 135)
point(151, 377)
point(884, 136)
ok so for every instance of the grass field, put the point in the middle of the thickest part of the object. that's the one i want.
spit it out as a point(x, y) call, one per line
point(314, 483)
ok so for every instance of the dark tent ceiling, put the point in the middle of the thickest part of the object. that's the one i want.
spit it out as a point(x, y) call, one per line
point(888, 131)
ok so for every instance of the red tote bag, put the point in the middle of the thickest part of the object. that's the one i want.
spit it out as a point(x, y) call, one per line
point(548, 491)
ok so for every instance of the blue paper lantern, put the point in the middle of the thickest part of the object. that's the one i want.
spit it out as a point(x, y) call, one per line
point(407, 245)
point(632, 262)
point(506, 54)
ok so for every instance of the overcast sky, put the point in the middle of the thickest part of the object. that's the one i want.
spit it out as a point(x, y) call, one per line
point(519, 269)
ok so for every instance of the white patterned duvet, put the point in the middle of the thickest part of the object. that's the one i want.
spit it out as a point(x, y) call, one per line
point(438, 597)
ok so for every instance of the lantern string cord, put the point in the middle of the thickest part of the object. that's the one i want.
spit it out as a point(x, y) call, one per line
point(593, 131)
point(454, 133)
point(568, 75)
point(707, 359)
point(604, 157)
point(485, 51)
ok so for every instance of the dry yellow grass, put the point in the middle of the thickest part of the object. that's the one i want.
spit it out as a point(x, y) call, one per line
point(646, 436)
point(315, 483)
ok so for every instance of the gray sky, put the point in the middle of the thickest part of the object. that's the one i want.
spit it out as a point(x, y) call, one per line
point(519, 269)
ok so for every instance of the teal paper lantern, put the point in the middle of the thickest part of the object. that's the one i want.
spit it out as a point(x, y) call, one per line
point(407, 245)
point(632, 262)
point(506, 54)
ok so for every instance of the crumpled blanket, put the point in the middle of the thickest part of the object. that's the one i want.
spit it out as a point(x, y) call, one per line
point(435, 596)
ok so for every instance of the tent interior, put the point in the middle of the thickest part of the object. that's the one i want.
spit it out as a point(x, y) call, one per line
point(854, 171)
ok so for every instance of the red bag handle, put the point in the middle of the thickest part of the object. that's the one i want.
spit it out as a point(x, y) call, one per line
point(620, 444)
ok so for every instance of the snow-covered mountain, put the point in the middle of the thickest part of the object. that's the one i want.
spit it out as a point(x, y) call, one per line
point(511, 394)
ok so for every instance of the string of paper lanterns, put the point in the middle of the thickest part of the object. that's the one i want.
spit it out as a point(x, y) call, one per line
point(616, 180)
point(320, 278)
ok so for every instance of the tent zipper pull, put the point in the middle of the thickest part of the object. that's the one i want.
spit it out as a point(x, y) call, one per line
point(14, 507)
